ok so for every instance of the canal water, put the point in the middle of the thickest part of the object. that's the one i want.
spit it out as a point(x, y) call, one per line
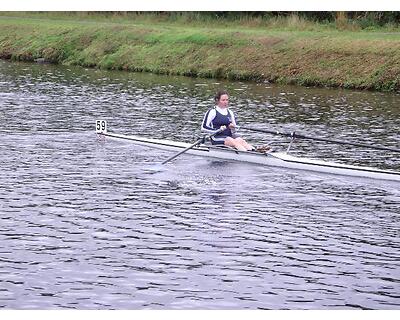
point(85, 225)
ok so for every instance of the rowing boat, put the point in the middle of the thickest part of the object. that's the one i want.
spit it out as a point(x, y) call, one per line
point(274, 159)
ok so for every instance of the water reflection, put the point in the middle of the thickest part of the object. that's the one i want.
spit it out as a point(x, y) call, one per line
point(84, 226)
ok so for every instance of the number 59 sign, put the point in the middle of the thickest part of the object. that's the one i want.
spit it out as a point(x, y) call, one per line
point(101, 126)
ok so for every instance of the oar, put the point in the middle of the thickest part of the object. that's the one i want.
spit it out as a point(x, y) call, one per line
point(296, 135)
point(193, 145)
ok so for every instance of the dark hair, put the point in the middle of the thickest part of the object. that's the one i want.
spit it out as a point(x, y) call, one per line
point(219, 94)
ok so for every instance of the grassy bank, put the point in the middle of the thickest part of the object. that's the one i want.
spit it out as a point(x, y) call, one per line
point(319, 56)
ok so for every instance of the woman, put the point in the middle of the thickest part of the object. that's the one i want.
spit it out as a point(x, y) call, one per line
point(221, 117)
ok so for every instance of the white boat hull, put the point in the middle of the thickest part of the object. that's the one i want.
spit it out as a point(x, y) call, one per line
point(275, 159)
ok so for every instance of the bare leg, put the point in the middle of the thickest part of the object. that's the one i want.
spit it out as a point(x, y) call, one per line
point(230, 142)
point(238, 143)
point(244, 144)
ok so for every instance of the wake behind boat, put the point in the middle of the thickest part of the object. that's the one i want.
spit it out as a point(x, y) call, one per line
point(274, 159)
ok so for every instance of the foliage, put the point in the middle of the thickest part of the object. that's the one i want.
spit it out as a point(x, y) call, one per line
point(352, 20)
point(291, 50)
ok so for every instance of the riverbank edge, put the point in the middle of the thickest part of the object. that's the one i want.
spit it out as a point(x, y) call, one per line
point(300, 58)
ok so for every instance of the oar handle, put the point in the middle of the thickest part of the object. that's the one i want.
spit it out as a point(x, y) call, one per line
point(300, 136)
point(267, 131)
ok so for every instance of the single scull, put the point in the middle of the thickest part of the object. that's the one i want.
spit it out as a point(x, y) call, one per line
point(275, 159)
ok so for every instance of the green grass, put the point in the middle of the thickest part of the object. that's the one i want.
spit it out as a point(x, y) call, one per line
point(315, 54)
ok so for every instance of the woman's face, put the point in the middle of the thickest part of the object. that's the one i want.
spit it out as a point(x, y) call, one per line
point(223, 101)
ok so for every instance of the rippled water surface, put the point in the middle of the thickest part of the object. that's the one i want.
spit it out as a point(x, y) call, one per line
point(84, 225)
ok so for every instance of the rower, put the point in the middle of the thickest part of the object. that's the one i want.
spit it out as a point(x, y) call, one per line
point(221, 117)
